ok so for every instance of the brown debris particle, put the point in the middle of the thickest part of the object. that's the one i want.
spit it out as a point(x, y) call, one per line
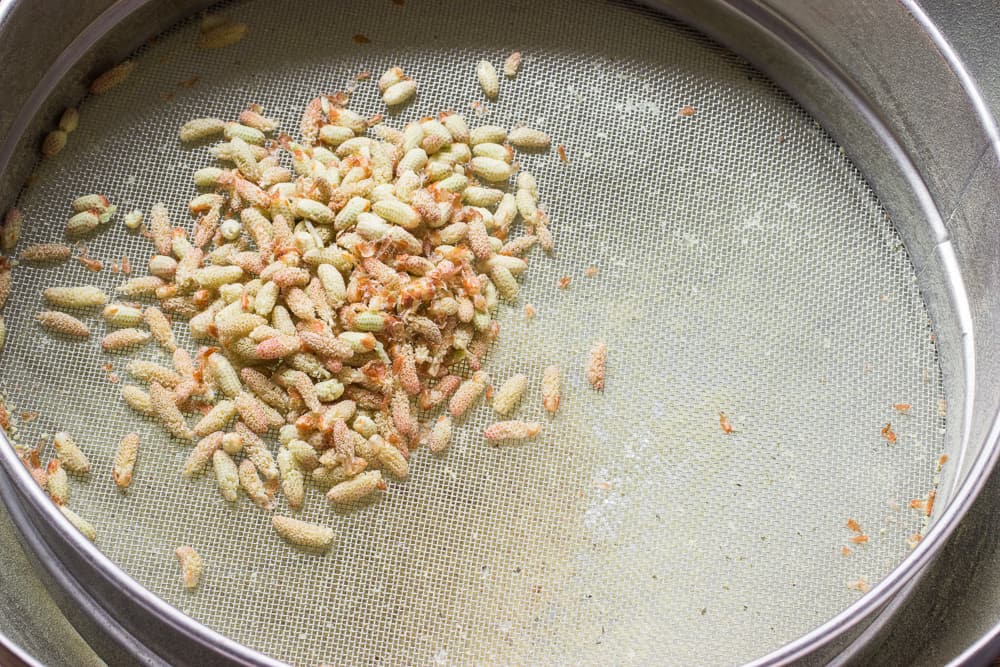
point(901, 407)
point(888, 433)
point(686, 111)
point(564, 282)
point(561, 149)
point(360, 39)
point(727, 426)
point(29, 416)
point(859, 539)
point(363, 76)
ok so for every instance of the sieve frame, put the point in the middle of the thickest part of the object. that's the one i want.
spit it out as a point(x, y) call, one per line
point(786, 40)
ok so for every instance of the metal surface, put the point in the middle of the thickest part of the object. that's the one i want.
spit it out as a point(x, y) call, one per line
point(801, 245)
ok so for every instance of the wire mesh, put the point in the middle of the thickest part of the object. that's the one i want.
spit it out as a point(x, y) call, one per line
point(743, 266)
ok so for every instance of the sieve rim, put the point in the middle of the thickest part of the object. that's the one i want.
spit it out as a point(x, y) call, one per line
point(881, 594)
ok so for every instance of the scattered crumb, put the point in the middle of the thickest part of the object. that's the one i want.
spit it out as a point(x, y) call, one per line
point(561, 150)
point(360, 39)
point(781, 138)
point(845, 551)
point(94, 265)
point(727, 426)
point(113, 378)
point(590, 271)
point(853, 526)
point(529, 311)
point(901, 407)
point(29, 416)
point(913, 540)
point(861, 585)
point(686, 111)
point(858, 539)
point(564, 282)
point(888, 433)
point(363, 76)
point(941, 461)
point(126, 265)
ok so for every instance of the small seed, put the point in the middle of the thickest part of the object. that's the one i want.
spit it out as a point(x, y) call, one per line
point(440, 435)
point(253, 486)
point(112, 77)
point(292, 479)
point(165, 409)
point(191, 566)
point(488, 80)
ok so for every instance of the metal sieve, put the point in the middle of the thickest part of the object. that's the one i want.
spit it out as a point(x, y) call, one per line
point(745, 266)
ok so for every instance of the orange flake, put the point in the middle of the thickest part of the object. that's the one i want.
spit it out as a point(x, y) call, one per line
point(917, 504)
point(126, 265)
point(845, 551)
point(529, 311)
point(590, 271)
point(727, 426)
point(360, 39)
point(901, 407)
point(29, 416)
point(489, 392)
point(190, 83)
point(686, 111)
point(562, 153)
point(853, 526)
point(888, 433)
point(929, 506)
point(942, 460)
point(913, 540)
point(113, 378)
point(564, 282)
point(861, 585)
point(94, 265)
point(858, 539)
point(4, 417)
point(108, 367)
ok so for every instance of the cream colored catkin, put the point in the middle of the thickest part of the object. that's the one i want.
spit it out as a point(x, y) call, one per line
point(125, 459)
point(191, 566)
point(216, 419)
point(137, 399)
point(160, 327)
point(356, 488)
point(551, 387)
point(81, 524)
point(62, 323)
point(253, 486)
point(112, 78)
point(596, 365)
point(506, 399)
point(226, 475)
point(81, 296)
point(164, 408)
point(118, 315)
point(202, 454)
point(512, 431)
point(121, 339)
point(303, 534)
point(70, 454)
point(292, 478)
point(45, 253)
point(148, 371)
point(488, 79)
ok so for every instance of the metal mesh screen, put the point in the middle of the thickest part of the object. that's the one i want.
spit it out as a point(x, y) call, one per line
point(744, 266)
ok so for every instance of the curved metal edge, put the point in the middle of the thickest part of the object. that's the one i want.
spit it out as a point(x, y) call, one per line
point(24, 494)
point(879, 599)
point(12, 655)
